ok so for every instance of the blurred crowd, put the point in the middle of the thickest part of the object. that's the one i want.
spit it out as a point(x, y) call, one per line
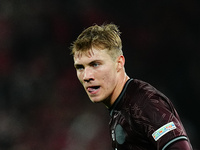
point(42, 104)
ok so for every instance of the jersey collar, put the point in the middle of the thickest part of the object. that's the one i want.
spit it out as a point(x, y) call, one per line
point(112, 108)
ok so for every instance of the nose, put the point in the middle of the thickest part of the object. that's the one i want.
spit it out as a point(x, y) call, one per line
point(88, 75)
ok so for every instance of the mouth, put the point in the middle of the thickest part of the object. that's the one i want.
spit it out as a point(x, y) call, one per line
point(93, 89)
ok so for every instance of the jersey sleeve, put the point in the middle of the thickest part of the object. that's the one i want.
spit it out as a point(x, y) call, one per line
point(159, 121)
point(179, 145)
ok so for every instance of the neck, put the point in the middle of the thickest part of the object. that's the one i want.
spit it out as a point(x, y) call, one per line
point(119, 87)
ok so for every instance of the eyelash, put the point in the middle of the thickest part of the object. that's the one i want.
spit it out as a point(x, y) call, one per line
point(79, 67)
point(95, 64)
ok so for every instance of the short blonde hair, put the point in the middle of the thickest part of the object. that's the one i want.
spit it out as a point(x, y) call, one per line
point(106, 36)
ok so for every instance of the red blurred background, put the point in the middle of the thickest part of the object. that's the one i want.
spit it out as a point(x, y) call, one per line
point(42, 104)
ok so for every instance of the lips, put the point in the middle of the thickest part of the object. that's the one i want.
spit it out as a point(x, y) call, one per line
point(93, 89)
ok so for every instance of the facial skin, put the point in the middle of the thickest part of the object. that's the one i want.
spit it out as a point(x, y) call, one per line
point(102, 77)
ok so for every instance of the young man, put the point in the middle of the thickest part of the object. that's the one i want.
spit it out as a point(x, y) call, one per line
point(142, 118)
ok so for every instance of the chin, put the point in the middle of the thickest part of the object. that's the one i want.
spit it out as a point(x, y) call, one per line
point(95, 100)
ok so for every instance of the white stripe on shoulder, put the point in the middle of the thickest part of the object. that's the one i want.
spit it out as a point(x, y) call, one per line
point(174, 140)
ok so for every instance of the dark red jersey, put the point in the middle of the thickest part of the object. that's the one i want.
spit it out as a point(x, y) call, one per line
point(142, 118)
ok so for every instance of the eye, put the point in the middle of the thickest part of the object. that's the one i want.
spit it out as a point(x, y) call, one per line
point(95, 64)
point(79, 67)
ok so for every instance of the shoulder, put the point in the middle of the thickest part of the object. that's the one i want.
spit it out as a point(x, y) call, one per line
point(141, 92)
point(154, 112)
point(151, 114)
point(146, 99)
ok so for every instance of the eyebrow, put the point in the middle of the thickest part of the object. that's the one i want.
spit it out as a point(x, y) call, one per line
point(90, 63)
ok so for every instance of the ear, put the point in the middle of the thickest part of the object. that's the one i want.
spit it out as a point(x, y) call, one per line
point(120, 62)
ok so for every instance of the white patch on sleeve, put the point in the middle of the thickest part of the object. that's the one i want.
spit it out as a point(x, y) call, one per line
point(163, 130)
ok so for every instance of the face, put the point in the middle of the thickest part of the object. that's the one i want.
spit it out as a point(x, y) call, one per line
point(97, 72)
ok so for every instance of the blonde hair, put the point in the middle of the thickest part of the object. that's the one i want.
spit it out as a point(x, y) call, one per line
point(106, 36)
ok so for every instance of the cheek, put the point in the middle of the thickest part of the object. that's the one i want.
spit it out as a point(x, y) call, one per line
point(79, 76)
point(109, 78)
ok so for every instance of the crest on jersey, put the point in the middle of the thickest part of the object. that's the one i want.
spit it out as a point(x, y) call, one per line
point(118, 134)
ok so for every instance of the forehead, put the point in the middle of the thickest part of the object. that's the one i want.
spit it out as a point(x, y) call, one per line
point(91, 55)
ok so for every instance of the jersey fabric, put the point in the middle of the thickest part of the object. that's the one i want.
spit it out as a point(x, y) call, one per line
point(142, 118)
